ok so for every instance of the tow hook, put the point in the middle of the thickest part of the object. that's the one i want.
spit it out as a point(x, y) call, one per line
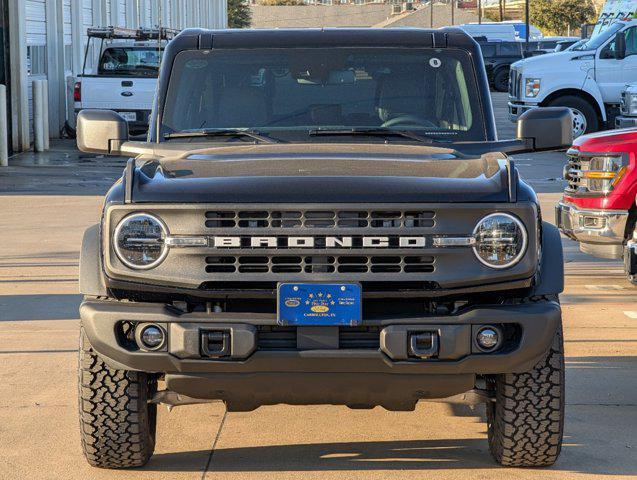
point(423, 345)
point(215, 344)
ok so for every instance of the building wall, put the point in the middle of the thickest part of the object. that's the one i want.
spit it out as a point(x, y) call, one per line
point(49, 40)
point(349, 15)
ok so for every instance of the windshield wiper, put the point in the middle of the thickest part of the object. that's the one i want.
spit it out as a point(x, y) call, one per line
point(228, 132)
point(374, 132)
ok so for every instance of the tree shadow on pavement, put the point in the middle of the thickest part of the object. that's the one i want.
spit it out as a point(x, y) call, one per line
point(412, 455)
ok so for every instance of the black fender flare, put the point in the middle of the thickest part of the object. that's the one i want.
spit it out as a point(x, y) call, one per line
point(91, 272)
point(550, 276)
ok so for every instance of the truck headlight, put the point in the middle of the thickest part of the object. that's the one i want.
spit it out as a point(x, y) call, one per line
point(532, 88)
point(500, 240)
point(604, 172)
point(140, 241)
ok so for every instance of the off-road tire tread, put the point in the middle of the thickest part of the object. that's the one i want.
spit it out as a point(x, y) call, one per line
point(526, 422)
point(117, 424)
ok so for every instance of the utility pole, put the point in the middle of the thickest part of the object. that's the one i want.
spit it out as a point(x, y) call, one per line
point(528, 24)
point(480, 11)
point(431, 12)
point(453, 12)
point(500, 6)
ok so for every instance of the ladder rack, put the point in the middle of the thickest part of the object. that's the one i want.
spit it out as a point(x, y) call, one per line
point(139, 34)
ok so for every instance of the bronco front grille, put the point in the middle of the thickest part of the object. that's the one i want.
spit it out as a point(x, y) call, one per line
point(246, 249)
point(336, 243)
point(305, 219)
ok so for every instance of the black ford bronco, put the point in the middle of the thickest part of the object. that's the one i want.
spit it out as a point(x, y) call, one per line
point(321, 217)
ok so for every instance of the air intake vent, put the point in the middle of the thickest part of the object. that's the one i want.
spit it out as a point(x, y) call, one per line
point(318, 219)
point(320, 264)
point(284, 338)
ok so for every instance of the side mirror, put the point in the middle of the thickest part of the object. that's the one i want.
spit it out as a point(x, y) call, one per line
point(101, 131)
point(620, 46)
point(549, 128)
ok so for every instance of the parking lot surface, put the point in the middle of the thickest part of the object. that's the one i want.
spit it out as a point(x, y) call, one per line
point(46, 202)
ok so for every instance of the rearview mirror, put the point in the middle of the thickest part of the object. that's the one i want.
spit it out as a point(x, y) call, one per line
point(101, 131)
point(620, 46)
point(341, 77)
point(549, 128)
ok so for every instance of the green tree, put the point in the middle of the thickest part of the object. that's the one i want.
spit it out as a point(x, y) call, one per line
point(556, 16)
point(239, 14)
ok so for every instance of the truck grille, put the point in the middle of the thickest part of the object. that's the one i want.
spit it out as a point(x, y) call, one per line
point(244, 250)
point(573, 172)
point(355, 260)
point(515, 83)
point(298, 219)
point(623, 103)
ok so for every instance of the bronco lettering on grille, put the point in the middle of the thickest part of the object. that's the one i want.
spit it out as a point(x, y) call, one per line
point(323, 241)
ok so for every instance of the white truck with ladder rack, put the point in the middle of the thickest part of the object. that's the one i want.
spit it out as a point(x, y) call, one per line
point(120, 72)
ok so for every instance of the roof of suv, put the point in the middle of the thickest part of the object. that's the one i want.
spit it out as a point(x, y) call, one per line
point(247, 38)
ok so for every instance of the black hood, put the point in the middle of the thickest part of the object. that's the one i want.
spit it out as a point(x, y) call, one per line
point(325, 173)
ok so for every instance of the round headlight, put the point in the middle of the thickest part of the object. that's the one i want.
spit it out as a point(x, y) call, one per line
point(139, 241)
point(500, 240)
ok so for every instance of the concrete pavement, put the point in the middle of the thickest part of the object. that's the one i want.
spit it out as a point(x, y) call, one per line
point(41, 224)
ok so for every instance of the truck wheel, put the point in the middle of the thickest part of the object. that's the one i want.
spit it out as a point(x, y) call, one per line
point(627, 265)
point(585, 118)
point(117, 424)
point(501, 80)
point(526, 422)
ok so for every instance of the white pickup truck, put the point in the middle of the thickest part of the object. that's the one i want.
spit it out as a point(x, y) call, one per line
point(588, 78)
point(120, 72)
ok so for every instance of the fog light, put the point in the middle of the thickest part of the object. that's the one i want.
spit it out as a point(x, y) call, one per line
point(152, 337)
point(488, 338)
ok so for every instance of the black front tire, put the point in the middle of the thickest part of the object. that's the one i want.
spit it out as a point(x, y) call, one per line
point(501, 80)
point(117, 424)
point(526, 421)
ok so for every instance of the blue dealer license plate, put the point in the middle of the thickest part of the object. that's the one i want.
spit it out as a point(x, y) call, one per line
point(319, 304)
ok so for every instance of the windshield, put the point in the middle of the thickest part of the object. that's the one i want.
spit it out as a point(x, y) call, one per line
point(133, 61)
point(598, 40)
point(301, 90)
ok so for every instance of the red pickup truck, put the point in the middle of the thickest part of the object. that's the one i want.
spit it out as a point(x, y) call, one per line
point(598, 207)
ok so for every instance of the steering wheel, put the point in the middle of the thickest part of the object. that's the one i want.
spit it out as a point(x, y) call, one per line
point(409, 120)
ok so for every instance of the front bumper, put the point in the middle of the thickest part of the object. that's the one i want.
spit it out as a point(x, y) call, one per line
point(249, 376)
point(600, 232)
point(516, 109)
point(625, 122)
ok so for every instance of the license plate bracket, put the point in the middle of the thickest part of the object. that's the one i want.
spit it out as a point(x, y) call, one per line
point(129, 116)
point(315, 304)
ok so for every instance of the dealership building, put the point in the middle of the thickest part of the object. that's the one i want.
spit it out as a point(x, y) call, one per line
point(45, 39)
